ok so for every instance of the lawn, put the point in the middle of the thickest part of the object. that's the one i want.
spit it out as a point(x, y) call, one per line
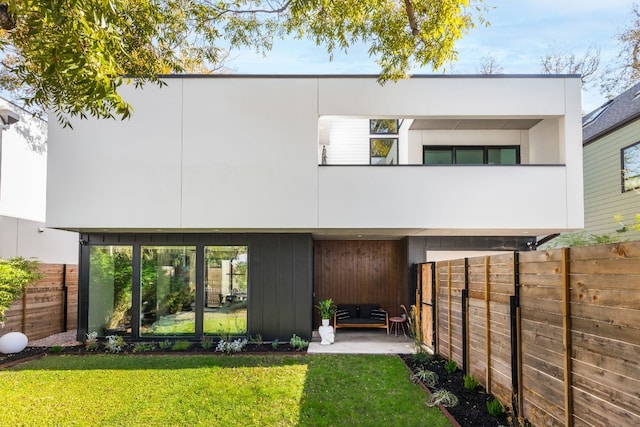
point(278, 390)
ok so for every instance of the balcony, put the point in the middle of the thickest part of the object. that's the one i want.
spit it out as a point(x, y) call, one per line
point(436, 200)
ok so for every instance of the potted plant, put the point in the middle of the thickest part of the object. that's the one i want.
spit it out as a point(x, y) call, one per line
point(326, 308)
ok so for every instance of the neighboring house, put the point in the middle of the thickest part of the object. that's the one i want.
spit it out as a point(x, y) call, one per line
point(229, 205)
point(611, 146)
point(23, 180)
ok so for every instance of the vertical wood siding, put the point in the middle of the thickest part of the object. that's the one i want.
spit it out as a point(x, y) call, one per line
point(361, 272)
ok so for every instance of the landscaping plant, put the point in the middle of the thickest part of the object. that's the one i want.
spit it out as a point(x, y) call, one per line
point(495, 408)
point(298, 343)
point(180, 345)
point(470, 382)
point(326, 308)
point(144, 347)
point(451, 366)
point(114, 344)
point(206, 342)
point(444, 398)
point(429, 378)
point(231, 346)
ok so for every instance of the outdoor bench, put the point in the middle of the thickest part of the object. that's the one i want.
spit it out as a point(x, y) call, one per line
point(360, 316)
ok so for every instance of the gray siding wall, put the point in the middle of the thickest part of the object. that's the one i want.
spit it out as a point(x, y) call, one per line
point(603, 196)
point(280, 277)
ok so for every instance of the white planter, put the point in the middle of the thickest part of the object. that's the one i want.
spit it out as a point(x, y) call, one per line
point(325, 322)
point(13, 342)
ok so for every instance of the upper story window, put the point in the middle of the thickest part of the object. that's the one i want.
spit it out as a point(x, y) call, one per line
point(383, 151)
point(470, 155)
point(630, 167)
point(383, 126)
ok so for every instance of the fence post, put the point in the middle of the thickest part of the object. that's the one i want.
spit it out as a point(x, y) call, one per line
point(24, 310)
point(487, 322)
point(449, 309)
point(65, 298)
point(516, 339)
point(465, 319)
point(436, 308)
point(566, 339)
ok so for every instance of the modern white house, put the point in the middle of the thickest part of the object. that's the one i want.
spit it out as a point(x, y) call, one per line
point(231, 204)
point(611, 139)
point(23, 175)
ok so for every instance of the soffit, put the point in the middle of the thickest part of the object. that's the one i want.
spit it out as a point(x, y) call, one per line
point(474, 124)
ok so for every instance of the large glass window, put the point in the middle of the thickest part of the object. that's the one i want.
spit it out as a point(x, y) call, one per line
point(225, 311)
point(631, 167)
point(471, 155)
point(110, 290)
point(168, 290)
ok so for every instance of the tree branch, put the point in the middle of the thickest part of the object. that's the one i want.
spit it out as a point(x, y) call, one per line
point(7, 19)
point(412, 17)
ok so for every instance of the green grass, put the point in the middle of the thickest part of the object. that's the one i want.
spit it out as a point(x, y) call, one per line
point(311, 390)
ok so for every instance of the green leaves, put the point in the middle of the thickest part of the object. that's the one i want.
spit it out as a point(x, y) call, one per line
point(70, 56)
point(15, 274)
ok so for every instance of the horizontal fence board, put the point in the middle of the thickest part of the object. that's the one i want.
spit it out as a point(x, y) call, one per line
point(606, 330)
point(607, 385)
point(610, 251)
point(628, 282)
point(600, 411)
point(623, 317)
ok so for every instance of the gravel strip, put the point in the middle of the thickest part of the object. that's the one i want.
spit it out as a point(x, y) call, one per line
point(65, 339)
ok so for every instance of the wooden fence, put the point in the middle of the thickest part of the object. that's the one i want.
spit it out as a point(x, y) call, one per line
point(553, 334)
point(47, 307)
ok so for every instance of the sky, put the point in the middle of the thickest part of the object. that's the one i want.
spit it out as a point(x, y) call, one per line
point(521, 32)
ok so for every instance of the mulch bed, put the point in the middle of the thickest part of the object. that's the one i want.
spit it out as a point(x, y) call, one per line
point(471, 410)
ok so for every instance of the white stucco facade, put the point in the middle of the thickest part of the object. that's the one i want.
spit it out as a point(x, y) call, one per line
point(243, 153)
point(23, 183)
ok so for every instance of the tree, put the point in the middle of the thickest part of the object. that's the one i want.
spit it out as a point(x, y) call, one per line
point(563, 62)
point(625, 71)
point(489, 65)
point(71, 57)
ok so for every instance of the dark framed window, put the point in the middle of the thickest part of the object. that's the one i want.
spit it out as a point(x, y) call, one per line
point(471, 155)
point(383, 126)
point(383, 151)
point(630, 160)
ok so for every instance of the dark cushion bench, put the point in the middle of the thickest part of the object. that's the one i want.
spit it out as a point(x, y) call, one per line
point(360, 316)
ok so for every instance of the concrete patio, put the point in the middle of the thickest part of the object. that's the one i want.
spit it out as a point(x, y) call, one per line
point(352, 341)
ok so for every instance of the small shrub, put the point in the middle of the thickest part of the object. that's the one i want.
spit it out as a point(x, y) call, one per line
point(470, 382)
point(444, 398)
point(451, 366)
point(180, 345)
point(114, 344)
point(231, 346)
point(91, 343)
point(430, 379)
point(298, 343)
point(206, 343)
point(144, 347)
point(421, 357)
point(55, 349)
point(165, 345)
point(495, 407)
point(256, 340)
point(275, 344)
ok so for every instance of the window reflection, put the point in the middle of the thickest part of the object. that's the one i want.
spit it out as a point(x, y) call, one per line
point(167, 290)
point(225, 311)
